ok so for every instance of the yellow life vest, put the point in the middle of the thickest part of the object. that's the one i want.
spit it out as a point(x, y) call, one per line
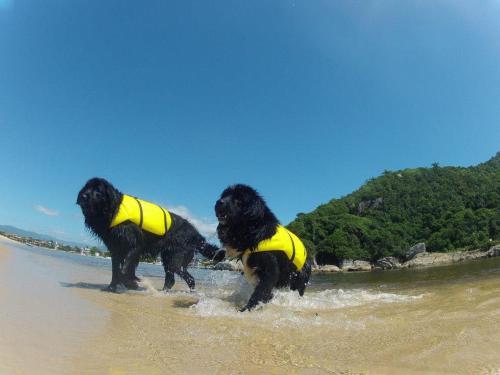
point(149, 216)
point(286, 241)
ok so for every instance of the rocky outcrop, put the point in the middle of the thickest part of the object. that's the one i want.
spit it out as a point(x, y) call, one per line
point(327, 268)
point(414, 250)
point(493, 251)
point(436, 259)
point(370, 204)
point(355, 265)
point(388, 263)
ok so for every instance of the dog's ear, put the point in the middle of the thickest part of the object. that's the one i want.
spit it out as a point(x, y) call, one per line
point(111, 192)
point(256, 210)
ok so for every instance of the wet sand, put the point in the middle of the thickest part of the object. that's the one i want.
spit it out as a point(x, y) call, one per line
point(55, 320)
point(42, 326)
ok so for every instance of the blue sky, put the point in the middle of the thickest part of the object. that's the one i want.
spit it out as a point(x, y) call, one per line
point(174, 100)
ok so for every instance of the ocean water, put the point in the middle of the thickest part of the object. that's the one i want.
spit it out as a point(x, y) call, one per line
point(221, 293)
point(442, 320)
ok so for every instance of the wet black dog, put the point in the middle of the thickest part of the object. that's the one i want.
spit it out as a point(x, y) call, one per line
point(127, 234)
point(272, 256)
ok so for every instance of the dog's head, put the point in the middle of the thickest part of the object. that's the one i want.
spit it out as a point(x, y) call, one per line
point(98, 198)
point(239, 203)
point(244, 218)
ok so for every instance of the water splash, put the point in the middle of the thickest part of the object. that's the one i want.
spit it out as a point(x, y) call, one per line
point(224, 293)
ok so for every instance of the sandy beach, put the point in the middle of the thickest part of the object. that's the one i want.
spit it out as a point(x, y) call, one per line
point(42, 325)
point(56, 320)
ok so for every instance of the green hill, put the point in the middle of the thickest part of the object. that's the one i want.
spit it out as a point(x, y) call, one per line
point(446, 207)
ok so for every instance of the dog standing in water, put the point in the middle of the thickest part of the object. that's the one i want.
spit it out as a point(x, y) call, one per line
point(130, 227)
point(272, 256)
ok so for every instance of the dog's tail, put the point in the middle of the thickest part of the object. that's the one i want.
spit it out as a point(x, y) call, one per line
point(299, 280)
point(212, 252)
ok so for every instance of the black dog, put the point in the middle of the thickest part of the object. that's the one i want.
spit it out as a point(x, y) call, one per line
point(272, 256)
point(124, 224)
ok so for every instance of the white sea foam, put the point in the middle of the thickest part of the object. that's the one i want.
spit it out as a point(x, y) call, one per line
point(291, 301)
point(336, 298)
point(224, 293)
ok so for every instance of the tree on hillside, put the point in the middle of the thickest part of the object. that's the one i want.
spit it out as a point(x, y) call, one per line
point(445, 207)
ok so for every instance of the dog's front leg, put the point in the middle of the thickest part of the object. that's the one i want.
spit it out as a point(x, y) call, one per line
point(128, 270)
point(116, 261)
point(266, 268)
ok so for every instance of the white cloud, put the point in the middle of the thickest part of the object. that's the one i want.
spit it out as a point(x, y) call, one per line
point(206, 227)
point(45, 210)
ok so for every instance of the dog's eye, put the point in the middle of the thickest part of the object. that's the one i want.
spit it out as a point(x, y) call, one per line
point(97, 194)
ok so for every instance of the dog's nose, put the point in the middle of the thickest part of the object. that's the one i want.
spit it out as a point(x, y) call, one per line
point(224, 200)
point(82, 198)
point(219, 206)
point(220, 203)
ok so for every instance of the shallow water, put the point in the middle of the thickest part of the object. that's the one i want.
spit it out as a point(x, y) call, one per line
point(435, 321)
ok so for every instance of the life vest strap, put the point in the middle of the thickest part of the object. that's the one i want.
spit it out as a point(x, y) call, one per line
point(293, 247)
point(168, 219)
point(141, 215)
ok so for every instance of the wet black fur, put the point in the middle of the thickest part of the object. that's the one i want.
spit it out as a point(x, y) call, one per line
point(100, 200)
point(244, 221)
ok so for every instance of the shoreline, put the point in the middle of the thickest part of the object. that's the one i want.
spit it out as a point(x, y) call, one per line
point(418, 261)
point(421, 260)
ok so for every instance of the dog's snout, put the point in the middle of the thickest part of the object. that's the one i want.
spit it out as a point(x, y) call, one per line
point(221, 208)
point(82, 198)
point(220, 204)
point(223, 201)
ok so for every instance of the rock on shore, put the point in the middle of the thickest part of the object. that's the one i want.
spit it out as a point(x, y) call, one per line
point(414, 250)
point(494, 251)
point(418, 257)
point(356, 265)
point(417, 254)
point(388, 263)
point(327, 268)
point(431, 259)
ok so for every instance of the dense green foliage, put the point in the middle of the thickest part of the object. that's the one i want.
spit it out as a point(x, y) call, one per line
point(445, 207)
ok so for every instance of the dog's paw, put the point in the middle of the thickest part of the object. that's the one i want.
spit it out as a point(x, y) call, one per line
point(111, 288)
point(131, 284)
